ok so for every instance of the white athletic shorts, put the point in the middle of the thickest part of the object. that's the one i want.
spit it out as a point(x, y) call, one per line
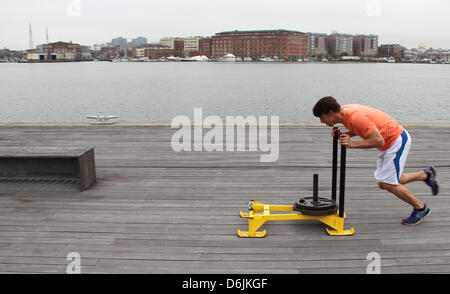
point(390, 162)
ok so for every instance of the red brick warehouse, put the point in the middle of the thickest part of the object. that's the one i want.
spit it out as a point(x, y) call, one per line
point(284, 44)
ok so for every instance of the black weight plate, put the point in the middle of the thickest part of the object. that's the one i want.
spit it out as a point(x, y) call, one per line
point(319, 212)
point(323, 206)
point(322, 203)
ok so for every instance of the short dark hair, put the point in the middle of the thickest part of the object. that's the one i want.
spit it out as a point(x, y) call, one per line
point(325, 105)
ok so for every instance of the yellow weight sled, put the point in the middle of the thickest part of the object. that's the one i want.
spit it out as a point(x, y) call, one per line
point(325, 210)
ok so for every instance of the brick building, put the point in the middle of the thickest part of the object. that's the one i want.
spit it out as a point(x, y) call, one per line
point(340, 44)
point(175, 44)
point(156, 51)
point(284, 44)
point(153, 51)
point(189, 46)
point(6, 54)
point(205, 47)
point(62, 51)
point(365, 45)
point(59, 51)
point(109, 52)
point(392, 50)
point(317, 44)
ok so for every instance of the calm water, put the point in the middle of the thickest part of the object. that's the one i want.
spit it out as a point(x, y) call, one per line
point(157, 92)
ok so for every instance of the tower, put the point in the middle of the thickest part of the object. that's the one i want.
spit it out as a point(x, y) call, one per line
point(31, 43)
point(46, 35)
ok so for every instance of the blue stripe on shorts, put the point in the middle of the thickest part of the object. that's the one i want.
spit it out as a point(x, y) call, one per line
point(399, 154)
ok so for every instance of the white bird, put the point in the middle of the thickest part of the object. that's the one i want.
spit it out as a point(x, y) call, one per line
point(102, 118)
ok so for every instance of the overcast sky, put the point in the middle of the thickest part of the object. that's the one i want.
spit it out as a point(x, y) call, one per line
point(88, 22)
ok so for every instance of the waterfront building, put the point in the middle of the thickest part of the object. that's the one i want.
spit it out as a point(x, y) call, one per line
point(6, 54)
point(391, 50)
point(205, 47)
point(187, 46)
point(59, 51)
point(340, 44)
point(317, 45)
point(156, 51)
point(433, 55)
point(191, 46)
point(110, 52)
point(139, 52)
point(86, 53)
point(62, 51)
point(411, 55)
point(170, 42)
point(445, 56)
point(283, 44)
point(365, 45)
point(176, 44)
point(153, 51)
point(427, 55)
point(34, 55)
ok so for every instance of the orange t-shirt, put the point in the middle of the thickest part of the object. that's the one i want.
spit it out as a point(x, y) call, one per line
point(362, 120)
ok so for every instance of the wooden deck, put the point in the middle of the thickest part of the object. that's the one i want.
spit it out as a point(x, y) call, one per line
point(154, 210)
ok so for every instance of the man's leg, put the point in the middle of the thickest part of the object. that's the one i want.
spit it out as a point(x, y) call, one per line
point(390, 170)
point(421, 210)
point(413, 177)
point(403, 193)
point(428, 176)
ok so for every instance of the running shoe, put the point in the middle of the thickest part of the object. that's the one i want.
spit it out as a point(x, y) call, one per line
point(417, 216)
point(431, 180)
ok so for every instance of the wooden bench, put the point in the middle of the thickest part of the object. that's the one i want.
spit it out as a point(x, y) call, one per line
point(43, 163)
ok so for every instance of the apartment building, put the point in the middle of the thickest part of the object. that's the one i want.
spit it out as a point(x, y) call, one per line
point(365, 45)
point(284, 44)
point(340, 44)
point(205, 47)
point(317, 44)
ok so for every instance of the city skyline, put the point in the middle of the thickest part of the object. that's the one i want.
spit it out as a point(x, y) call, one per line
point(408, 23)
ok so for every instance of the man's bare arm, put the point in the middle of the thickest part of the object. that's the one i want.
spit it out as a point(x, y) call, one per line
point(373, 140)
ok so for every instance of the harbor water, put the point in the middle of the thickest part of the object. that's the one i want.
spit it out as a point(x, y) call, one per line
point(159, 91)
